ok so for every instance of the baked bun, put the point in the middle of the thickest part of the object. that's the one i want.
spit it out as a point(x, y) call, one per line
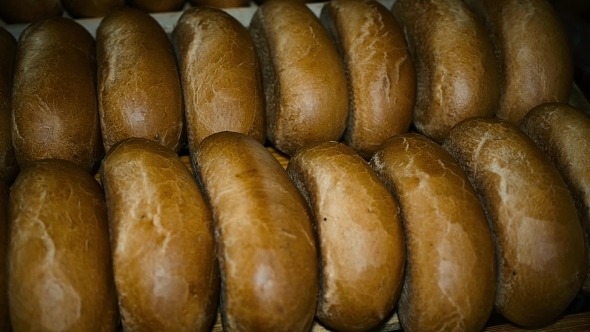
point(539, 240)
point(455, 64)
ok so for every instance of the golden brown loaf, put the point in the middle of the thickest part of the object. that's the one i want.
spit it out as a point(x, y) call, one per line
point(532, 53)
point(451, 271)
point(455, 64)
point(359, 234)
point(139, 93)
point(4, 227)
point(380, 72)
point(54, 95)
point(24, 11)
point(220, 3)
point(59, 274)
point(539, 241)
point(154, 6)
point(221, 79)
point(265, 241)
point(303, 76)
point(8, 165)
point(563, 133)
point(162, 240)
point(91, 8)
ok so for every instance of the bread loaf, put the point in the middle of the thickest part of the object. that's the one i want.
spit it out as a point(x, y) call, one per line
point(24, 11)
point(220, 76)
point(139, 93)
point(54, 95)
point(154, 6)
point(359, 234)
point(532, 52)
point(162, 240)
point(539, 241)
point(303, 77)
point(59, 264)
point(455, 64)
point(4, 227)
point(91, 8)
point(380, 72)
point(451, 271)
point(265, 241)
point(563, 133)
point(8, 165)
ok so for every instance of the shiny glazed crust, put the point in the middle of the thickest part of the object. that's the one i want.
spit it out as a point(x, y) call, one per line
point(139, 93)
point(162, 240)
point(451, 271)
point(59, 264)
point(265, 241)
point(539, 240)
point(359, 234)
point(54, 95)
point(221, 80)
point(455, 64)
point(563, 133)
point(380, 71)
point(532, 52)
point(303, 76)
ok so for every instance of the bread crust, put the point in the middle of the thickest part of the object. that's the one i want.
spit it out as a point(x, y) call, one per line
point(221, 79)
point(139, 93)
point(359, 233)
point(539, 240)
point(563, 133)
point(162, 239)
point(54, 95)
point(456, 71)
point(25, 11)
point(303, 76)
point(59, 264)
point(379, 69)
point(265, 241)
point(451, 266)
point(533, 55)
point(8, 165)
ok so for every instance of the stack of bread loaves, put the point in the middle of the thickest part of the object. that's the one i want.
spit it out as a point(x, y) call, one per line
point(410, 186)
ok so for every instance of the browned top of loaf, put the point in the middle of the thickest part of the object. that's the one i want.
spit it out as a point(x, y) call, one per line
point(359, 233)
point(59, 258)
point(266, 245)
point(451, 264)
point(139, 93)
point(157, 5)
point(532, 52)
point(23, 11)
point(563, 133)
point(455, 65)
point(221, 78)
point(380, 71)
point(4, 314)
point(8, 165)
point(304, 79)
point(162, 239)
point(540, 245)
point(95, 8)
point(220, 3)
point(54, 94)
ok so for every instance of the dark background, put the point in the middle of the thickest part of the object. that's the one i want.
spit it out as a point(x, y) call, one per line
point(575, 15)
